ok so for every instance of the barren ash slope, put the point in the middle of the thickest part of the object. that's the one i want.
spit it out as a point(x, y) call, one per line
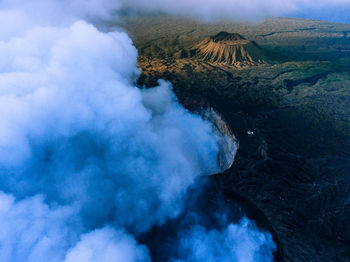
point(230, 49)
point(288, 81)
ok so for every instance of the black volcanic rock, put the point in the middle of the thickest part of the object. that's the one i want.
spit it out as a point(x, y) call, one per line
point(295, 168)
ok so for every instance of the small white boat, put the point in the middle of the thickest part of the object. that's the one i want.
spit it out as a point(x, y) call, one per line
point(250, 133)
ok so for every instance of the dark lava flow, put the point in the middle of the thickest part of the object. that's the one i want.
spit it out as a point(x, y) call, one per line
point(295, 172)
point(292, 175)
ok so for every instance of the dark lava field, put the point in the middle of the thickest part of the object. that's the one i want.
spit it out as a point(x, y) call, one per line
point(290, 114)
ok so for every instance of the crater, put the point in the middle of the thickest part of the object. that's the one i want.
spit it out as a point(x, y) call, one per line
point(230, 49)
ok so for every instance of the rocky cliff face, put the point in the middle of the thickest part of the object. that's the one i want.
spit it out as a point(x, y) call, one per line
point(227, 141)
point(230, 49)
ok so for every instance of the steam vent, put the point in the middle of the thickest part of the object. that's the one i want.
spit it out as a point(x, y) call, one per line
point(230, 49)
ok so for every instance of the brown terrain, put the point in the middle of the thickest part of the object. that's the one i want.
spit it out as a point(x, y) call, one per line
point(287, 81)
point(229, 49)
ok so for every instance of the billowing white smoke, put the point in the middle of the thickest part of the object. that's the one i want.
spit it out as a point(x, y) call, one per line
point(74, 129)
point(33, 232)
point(242, 243)
point(72, 122)
point(87, 160)
point(106, 245)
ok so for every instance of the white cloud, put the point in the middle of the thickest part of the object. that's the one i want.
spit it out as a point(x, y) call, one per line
point(87, 160)
point(230, 9)
point(68, 92)
point(107, 245)
point(32, 232)
point(241, 242)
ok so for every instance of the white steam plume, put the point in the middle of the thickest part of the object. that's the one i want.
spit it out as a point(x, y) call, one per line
point(87, 160)
point(73, 123)
point(241, 242)
point(33, 232)
point(106, 245)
